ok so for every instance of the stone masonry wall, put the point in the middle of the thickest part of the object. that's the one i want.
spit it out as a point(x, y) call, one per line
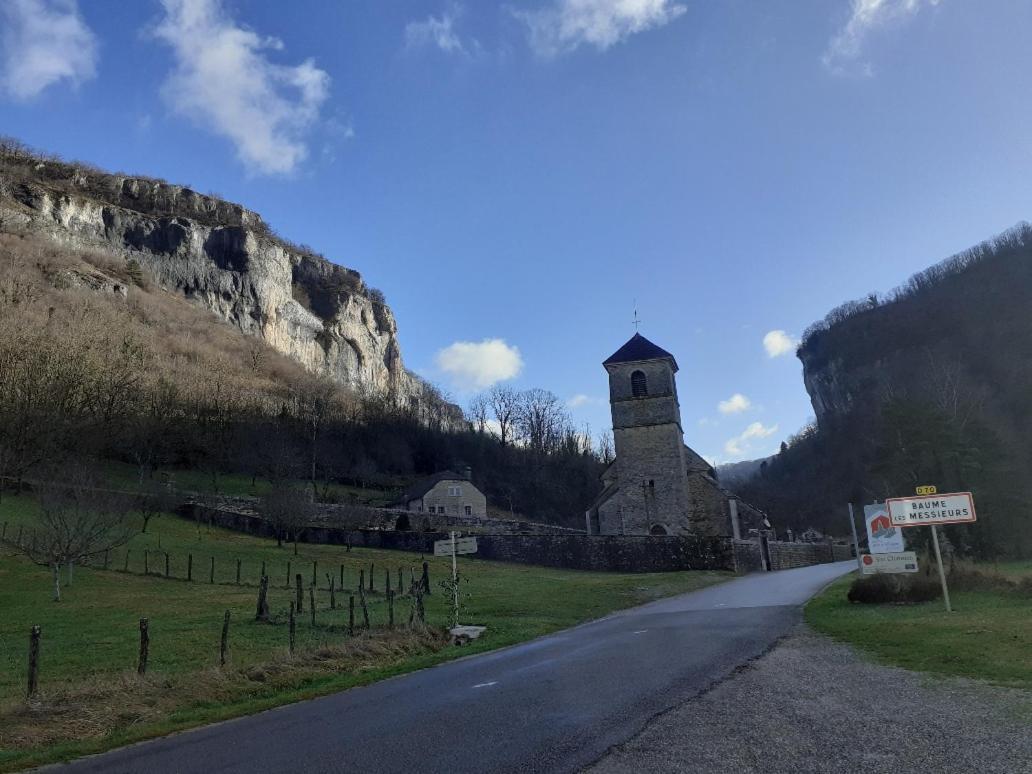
point(784, 556)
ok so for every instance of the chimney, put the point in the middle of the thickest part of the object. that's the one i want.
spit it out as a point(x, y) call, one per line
point(468, 473)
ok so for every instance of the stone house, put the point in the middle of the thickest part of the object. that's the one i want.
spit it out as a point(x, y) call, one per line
point(447, 492)
point(657, 485)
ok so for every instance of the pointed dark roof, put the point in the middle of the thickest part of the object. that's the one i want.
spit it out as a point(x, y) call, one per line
point(638, 348)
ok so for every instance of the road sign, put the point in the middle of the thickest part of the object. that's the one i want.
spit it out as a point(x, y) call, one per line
point(882, 536)
point(957, 508)
point(903, 561)
point(466, 545)
point(926, 490)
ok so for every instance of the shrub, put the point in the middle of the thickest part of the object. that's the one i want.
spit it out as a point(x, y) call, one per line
point(966, 577)
point(893, 589)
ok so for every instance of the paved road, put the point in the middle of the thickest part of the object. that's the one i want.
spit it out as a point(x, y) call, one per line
point(554, 704)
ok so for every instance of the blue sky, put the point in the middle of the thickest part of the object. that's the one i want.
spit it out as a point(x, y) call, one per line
point(523, 173)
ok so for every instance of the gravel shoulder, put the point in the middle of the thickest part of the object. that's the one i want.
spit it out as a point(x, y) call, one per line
point(814, 705)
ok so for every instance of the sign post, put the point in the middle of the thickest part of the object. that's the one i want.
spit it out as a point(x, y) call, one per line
point(932, 509)
point(856, 543)
point(455, 546)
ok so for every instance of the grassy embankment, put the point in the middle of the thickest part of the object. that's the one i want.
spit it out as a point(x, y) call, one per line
point(91, 698)
point(987, 637)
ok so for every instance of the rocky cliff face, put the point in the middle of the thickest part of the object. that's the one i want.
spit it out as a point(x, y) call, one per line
point(223, 257)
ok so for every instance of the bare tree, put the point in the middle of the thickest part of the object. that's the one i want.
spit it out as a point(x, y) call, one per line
point(77, 520)
point(154, 498)
point(289, 510)
point(541, 419)
point(605, 447)
point(505, 405)
point(313, 403)
point(478, 412)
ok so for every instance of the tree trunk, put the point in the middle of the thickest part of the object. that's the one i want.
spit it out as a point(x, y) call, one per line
point(57, 582)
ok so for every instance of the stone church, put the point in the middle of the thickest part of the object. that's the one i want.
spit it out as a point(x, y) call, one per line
point(657, 485)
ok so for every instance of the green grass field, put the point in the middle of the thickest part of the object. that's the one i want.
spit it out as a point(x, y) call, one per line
point(987, 637)
point(126, 476)
point(91, 636)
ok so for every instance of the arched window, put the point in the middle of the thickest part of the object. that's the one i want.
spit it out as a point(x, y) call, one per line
point(639, 387)
point(657, 530)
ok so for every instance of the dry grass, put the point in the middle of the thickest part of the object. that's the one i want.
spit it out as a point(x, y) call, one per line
point(103, 705)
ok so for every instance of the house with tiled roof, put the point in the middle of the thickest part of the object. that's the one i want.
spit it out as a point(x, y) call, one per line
point(448, 493)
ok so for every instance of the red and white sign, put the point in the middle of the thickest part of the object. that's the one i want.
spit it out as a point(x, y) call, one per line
point(957, 508)
point(901, 561)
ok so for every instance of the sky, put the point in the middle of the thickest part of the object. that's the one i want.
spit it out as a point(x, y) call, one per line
point(519, 178)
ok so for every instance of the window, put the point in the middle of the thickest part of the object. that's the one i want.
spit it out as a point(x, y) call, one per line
point(639, 386)
point(455, 491)
point(432, 509)
point(657, 530)
point(469, 510)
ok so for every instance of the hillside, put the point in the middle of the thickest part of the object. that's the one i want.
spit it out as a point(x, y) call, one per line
point(217, 255)
point(928, 384)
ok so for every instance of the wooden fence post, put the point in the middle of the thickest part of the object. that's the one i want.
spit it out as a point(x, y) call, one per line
point(238, 572)
point(315, 570)
point(19, 535)
point(370, 576)
point(211, 576)
point(34, 633)
point(390, 609)
point(126, 568)
point(262, 575)
point(311, 602)
point(287, 584)
point(300, 597)
point(426, 579)
point(387, 581)
point(166, 564)
point(351, 614)
point(189, 567)
point(292, 625)
point(361, 579)
point(365, 608)
point(141, 666)
point(262, 610)
point(401, 580)
point(146, 562)
point(224, 645)
point(333, 595)
point(342, 576)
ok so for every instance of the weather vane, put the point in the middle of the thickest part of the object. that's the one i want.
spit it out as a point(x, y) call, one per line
point(637, 320)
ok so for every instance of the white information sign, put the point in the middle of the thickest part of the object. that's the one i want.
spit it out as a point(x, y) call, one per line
point(883, 537)
point(904, 561)
point(466, 545)
point(957, 508)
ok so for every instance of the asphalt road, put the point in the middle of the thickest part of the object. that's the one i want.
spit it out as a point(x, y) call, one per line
point(554, 704)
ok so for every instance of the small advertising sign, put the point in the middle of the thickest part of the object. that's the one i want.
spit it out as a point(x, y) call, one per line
point(883, 537)
point(904, 561)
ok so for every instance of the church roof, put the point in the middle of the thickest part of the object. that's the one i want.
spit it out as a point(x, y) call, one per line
point(638, 348)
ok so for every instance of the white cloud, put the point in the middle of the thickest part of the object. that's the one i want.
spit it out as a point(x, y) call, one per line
point(843, 52)
point(580, 399)
point(225, 82)
point(44, 42)
point(736, 404)
point(778, 343)
point(476, 366)
point(436, 31)
point(564, 25)
point(741, 445)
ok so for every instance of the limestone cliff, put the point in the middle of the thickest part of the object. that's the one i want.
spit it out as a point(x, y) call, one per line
point(223, 257)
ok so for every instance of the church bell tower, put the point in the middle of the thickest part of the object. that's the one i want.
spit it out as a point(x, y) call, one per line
point(653, 496)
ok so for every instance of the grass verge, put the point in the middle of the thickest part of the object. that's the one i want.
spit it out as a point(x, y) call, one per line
point(987, 637)
point(91, 699)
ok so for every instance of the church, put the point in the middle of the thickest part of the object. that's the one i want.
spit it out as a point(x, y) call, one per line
point(657, 485)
